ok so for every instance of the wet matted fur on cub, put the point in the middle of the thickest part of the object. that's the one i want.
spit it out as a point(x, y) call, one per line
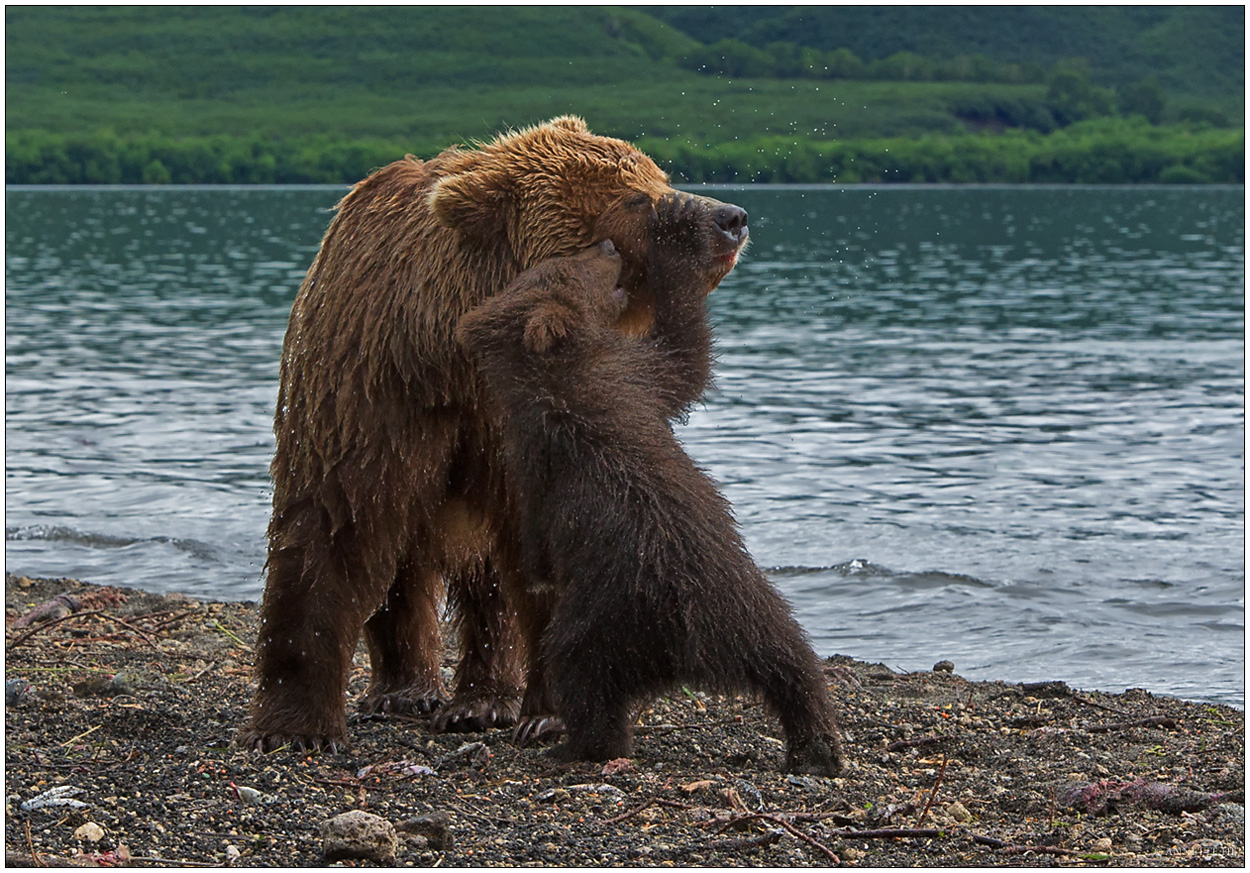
point(639, 579)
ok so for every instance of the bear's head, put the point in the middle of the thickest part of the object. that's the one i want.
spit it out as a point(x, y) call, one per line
point(551, 190)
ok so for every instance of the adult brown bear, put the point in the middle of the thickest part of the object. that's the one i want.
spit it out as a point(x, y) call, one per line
point(387, 490)
point(640, 576)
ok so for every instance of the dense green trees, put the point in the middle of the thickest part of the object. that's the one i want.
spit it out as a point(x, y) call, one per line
point(1098, 151)
point(1107, 151)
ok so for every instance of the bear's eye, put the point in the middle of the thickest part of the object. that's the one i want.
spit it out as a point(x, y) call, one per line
point(636, 201)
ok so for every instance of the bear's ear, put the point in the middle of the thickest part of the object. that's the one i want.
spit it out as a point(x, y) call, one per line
point(570, 123)
point(546, 328)
point(476, 202)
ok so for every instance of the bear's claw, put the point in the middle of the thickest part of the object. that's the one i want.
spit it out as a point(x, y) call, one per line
point(265, 743)
point(536, 728)
point(477, 714)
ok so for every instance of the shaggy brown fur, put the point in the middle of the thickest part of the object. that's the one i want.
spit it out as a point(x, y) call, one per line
point(630, 548)
point(386, 485)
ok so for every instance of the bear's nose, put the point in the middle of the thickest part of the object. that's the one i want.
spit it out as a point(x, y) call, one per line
point(731, 219)
point(607, 248)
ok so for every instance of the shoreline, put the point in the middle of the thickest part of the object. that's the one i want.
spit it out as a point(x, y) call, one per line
point(131, 700)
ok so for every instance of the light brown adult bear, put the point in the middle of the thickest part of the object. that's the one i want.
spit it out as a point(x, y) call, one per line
point(647, 582)
point(387, 487)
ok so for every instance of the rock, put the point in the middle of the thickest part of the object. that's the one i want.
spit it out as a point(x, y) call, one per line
point(248, 794)
point(552, 795)
point(15, 691)
point(944, 667)
point(1103, 845)
point(959, 812)
point(435, 827)
point(91, 832)
point(358, 834)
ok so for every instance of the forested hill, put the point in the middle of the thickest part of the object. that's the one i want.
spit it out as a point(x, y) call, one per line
point(1190, 49)
point(810, 94)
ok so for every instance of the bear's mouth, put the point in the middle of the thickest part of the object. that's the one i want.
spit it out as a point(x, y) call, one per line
point(733, 246)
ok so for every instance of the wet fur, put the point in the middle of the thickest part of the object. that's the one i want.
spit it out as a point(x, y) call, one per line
point(644, 579)
point(387, 496)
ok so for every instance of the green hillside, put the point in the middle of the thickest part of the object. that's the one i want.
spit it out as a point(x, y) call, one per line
point(1194, 50)
point(286, 94)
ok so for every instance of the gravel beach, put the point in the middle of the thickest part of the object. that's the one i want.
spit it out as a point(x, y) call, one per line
point(121, 707)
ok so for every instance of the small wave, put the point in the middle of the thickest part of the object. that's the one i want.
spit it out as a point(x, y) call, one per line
point(860, 568)
point(61, 534)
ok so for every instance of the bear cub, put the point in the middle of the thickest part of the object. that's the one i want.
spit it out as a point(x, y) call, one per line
point(650, 585)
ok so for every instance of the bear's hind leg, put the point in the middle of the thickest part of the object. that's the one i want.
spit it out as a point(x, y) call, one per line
point(311, 617)
point(588, 675)
point(488, 676)
point(783, 668)
point(405, 646)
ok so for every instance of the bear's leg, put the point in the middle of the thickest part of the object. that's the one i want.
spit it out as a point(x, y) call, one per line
point(599, 664)
point(405, 645)
point(538, 720)
point(793, 687)
point(595, 712)
point(316, 600)
point(488, 676)
point(760, 642)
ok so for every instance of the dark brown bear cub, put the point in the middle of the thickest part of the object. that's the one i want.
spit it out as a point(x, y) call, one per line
point(651, 586)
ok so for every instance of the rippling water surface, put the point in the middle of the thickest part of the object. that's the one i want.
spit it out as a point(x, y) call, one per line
point(1001, 426)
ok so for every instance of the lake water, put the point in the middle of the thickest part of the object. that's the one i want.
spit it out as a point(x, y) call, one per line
point(1000, 426)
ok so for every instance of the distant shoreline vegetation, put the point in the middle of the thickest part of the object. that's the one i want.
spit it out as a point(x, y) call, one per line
point(1097, 151)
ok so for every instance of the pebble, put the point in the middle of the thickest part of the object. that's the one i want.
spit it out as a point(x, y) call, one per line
point(944, 667)
point(435, 827)
point(1103, 845)
point(359, 834)
point(91, 832)
point(15, 691)
point(959, 812)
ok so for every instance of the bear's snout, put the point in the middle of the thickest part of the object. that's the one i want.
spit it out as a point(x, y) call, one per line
point(732, 221)
point(607, 248)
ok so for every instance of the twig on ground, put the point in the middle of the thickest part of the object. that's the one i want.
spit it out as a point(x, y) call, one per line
point(887, 833)
point(170, 863)
point(743, 842)
point(778, 820)
point(660, 730)
point(1012, 849)
point(932, 794)
point(30, 844)
point(1094, 703)
point(660, 801)
point(147, 639)
point(73, 740)
point(173, 620)
point(47, 624)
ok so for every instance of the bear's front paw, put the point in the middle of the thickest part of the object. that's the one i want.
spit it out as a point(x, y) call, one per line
point(254, 740)
point(410, 701)
point(477, 714)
